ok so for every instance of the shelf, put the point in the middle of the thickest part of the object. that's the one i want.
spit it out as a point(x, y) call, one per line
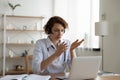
point(24, 30)
point(15, 57)
point(16, 72)
point(24, 44)
point(20, 44)
point(11, 72)
point(20, 16)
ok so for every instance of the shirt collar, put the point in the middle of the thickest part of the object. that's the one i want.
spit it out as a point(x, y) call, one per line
point(49, 42)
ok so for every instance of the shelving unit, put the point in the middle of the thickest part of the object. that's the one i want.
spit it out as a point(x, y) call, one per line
point(15, 71)
point(19, 35)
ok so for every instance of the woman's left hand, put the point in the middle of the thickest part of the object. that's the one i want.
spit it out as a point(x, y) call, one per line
point(75, 44)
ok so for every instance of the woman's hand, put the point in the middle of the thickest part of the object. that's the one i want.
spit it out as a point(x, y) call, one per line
point(61, 48)
point(75, 44)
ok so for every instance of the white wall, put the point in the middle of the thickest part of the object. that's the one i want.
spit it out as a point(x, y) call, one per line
point(112, 42)
point(28, 7)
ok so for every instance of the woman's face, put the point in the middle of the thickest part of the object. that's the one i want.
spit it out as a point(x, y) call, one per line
point(57, 31)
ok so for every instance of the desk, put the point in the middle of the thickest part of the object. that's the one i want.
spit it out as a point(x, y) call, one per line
point(108, 78)
point(102, 78)
point(98, 78)
point(113, 77)
point(105, 77)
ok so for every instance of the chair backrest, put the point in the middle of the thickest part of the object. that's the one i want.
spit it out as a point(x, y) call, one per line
point(28, 60)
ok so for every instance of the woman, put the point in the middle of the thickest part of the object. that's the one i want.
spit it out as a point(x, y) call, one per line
point(51, 55)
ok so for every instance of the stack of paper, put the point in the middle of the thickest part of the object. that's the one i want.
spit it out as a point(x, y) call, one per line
point(25, 77)
point(14, 77)
point(37, 77)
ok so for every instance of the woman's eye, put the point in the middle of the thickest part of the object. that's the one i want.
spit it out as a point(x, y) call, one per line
point(59, 30)
point(56, 30)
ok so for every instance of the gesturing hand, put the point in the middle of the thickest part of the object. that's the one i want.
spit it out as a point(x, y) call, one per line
point(61, 48)
point(76, 44)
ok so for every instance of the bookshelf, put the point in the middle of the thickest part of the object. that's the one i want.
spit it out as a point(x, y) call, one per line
point(20, 33)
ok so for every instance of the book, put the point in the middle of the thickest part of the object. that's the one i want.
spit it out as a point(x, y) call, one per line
point(26, 77)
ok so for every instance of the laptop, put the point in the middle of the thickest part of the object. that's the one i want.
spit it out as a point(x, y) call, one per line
point(85, 67)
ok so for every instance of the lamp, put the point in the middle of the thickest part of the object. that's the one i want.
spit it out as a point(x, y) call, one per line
point(101, 29)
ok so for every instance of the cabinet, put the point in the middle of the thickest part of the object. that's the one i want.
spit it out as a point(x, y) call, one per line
point(19, 36)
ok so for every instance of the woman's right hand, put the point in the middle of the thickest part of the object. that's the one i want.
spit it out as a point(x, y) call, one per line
point(61, 48)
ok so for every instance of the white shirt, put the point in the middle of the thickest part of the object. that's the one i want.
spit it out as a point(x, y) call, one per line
point(45, 48)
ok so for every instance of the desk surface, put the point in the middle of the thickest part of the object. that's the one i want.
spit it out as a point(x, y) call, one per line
point(108, 78)
point(102, 78)
point(98, 78)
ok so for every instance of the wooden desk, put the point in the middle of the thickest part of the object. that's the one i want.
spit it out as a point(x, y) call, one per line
point(108, 78)
point(101, 78)
point(98, 78)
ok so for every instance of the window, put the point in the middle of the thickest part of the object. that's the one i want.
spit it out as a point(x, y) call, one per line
point(81, 16)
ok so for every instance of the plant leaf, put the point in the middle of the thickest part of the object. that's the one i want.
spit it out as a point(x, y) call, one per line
point(12, 7)
point(16, 6)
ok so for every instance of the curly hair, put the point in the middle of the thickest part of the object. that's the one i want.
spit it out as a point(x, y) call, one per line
point(52, 21)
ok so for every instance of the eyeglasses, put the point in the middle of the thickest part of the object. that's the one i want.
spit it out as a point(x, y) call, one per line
point(59, 31)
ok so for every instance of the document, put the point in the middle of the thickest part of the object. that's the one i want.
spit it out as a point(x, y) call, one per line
point(37, 77)
point(14, 77)
point(26, 77)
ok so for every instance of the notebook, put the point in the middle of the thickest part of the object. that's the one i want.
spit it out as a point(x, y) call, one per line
point(85, 67)
point(26, 77)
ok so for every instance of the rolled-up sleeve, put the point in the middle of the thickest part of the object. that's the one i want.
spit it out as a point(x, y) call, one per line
point(37, 58)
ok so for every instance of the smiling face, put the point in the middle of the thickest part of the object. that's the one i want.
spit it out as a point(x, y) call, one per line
point(57, 31)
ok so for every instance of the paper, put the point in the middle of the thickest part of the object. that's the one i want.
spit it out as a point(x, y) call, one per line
point(14, 77)
point(26, 77)
point(37, 77)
